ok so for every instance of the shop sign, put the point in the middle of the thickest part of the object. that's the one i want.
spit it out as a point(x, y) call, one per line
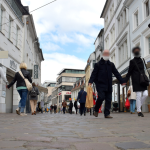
point(69, 93)
point(59, 94)
point(36, 71)
point(13, 65)
point(3, 93)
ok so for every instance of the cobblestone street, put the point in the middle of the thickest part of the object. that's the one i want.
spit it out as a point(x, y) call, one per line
point(73, 132)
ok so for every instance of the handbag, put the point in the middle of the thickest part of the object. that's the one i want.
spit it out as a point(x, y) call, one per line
point(143, 78)
point(28, 84)
point(129, 93)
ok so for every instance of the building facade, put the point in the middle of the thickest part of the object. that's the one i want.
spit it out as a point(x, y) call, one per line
point(65, 81)
point(13, 38)
point(125, 26)
point(99, 45)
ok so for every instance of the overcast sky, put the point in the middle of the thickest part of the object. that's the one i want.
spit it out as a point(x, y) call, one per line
point(67, 30)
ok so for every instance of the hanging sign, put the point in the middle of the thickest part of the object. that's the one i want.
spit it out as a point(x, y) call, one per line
point(36, 71)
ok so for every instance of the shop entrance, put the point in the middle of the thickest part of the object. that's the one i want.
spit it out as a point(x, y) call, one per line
point(9, 97)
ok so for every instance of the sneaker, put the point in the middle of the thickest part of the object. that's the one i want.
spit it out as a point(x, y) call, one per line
point(23, 114)
point(18, 111)
point(140, 114)
point(96, 114)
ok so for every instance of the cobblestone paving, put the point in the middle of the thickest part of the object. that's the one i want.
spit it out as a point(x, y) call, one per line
point(73, 132)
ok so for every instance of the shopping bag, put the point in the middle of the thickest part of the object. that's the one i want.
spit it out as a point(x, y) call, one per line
point(89, 98)
point(127, 104)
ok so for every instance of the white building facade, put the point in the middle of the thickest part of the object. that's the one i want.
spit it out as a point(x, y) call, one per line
point(13, 38)
point(126, 25)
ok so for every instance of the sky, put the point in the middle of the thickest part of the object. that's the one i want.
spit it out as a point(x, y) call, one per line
point(67, 30)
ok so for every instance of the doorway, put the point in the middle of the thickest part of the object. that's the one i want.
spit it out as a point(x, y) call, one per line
point(9, 97)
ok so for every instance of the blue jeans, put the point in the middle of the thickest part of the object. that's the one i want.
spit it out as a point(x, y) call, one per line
point(23, 94)
point(132, 105)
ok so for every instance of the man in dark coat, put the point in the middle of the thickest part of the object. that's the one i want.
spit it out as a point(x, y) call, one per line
point(82, 99)
point(102, 76)
point(136, 68)
point(70, 107)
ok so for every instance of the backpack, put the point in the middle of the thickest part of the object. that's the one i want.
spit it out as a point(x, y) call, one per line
point(33, 92)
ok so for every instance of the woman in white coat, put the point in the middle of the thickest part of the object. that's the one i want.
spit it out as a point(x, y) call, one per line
point(132, 99)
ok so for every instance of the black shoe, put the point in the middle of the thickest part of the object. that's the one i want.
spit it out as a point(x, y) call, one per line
point(109, 117)
point(140, 114)
point(96, 114)
point(84, 114)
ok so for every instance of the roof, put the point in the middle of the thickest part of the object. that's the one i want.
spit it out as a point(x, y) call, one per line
point(69, 69)
point(104, 8)
point(100, 32)
point(23, 9)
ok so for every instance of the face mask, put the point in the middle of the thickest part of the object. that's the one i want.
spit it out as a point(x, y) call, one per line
point(106, 58)
point(137, 54)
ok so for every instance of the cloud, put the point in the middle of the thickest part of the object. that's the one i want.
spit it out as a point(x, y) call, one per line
point(51, 47)
point(65, 16)
point(55, 62)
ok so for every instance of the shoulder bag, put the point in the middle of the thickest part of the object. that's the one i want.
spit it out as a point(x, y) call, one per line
point(28, 84)
point(143, 78)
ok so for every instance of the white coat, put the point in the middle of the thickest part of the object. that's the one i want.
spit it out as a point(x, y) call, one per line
point(133, 94)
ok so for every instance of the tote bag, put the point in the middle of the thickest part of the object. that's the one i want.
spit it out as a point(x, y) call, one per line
point(28, 84)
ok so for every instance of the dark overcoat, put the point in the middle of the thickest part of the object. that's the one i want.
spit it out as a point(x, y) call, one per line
point(102, 75)
point(82, 96)
point(135, 74)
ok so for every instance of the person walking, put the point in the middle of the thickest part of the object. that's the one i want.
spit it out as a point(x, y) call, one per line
point(70, 107)
point(82, 99)
point(33, 97)
point(51, 109)
point(76, 106)
point(21, 87)
point(136, 69)
point(55, 108)
point(42, 106)
point(102, 76)
point(64, 104)
point(132, 98)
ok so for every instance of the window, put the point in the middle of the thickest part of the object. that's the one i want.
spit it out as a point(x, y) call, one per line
point(136, 20)
point(65, 88)
point(94, 62)
point(147, 8)
point(1, 18)
point(123, 52)
point(149, 44)
point(17, 35)
point(10, 28)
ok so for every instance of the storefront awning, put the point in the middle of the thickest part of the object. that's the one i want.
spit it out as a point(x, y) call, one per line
point(42, 89)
